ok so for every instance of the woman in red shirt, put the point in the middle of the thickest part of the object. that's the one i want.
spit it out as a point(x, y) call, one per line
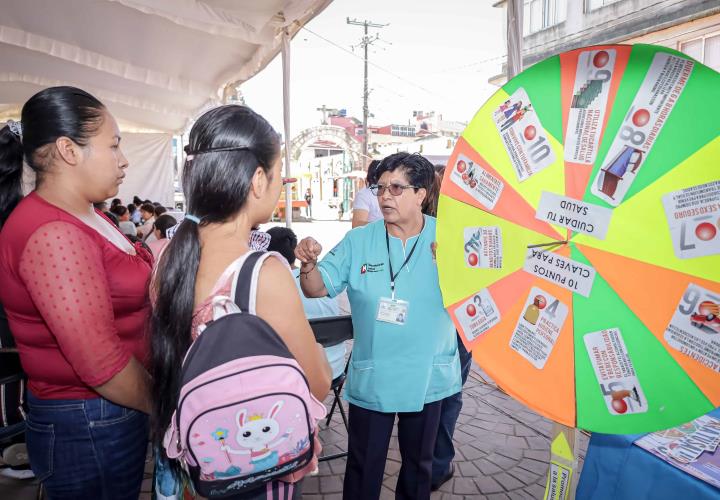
point(75, 292)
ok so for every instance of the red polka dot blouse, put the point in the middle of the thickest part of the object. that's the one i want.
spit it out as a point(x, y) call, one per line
point(77, 305)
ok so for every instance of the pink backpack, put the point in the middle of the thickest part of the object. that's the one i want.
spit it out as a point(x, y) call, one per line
point(245, 415)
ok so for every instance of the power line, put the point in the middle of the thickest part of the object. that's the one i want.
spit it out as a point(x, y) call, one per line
point(469, 65)
point(374, 65)
point(443, 97)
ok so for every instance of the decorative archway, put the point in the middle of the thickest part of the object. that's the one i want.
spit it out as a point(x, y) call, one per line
point(336, 134)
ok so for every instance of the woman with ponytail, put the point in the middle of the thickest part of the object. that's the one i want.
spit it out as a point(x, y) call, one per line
point(232, 182)
point(75, 292)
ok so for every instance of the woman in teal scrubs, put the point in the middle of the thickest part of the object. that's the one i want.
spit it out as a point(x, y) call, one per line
point(405, 358)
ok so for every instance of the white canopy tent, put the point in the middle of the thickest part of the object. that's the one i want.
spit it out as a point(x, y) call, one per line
point(150, 175)
point(156, 64)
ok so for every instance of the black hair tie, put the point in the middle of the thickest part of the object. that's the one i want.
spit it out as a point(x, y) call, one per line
point(192, 154)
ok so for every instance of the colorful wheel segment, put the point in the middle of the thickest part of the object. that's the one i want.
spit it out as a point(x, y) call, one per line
point(579, 238)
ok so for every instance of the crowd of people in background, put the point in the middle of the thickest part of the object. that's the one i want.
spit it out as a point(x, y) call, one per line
point(147, 224)
point(104, 302)
point(137, 220)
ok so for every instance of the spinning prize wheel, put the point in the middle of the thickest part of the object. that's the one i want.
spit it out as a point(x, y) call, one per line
point(579, 238)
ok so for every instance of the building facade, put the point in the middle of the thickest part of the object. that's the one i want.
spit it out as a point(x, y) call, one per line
point(554, 26)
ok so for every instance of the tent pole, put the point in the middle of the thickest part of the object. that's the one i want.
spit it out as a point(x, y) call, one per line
point(286, 122)
point(179, 164)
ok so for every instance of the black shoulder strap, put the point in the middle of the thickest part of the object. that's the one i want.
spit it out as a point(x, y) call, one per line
point(244, 286)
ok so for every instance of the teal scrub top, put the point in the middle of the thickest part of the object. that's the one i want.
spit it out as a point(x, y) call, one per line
point(394, 368)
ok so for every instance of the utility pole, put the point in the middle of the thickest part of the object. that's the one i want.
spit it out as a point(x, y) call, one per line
point(366, 41)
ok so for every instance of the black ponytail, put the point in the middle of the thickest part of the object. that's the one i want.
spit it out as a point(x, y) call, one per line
point(48, 115)
point(171, 323)
point(226, 146)
point(11, 170)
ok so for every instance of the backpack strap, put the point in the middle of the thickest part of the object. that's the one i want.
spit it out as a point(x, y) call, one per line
point(244, 287)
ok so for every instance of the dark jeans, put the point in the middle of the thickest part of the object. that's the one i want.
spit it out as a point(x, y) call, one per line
point(87, 449)
point(451, 406)
point(368, 441)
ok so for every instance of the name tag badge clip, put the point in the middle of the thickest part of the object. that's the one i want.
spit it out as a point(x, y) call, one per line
point(393, 311)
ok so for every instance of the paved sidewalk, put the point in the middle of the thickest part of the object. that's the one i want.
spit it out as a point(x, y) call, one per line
point(502, 450)
point(502, 453)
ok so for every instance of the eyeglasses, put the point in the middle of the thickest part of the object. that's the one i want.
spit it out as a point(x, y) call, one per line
point(395, 189)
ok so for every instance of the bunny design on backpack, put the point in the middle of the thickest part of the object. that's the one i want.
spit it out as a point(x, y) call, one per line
point(256, 435)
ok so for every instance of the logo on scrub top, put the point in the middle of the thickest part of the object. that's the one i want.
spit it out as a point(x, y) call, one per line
point(372, 268)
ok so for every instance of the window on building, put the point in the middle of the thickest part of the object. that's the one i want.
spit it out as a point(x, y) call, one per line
point(400, 130)
point(711, 55)
point(541, 14)
point(705, 49)
point(693, 48)
point(597, 4)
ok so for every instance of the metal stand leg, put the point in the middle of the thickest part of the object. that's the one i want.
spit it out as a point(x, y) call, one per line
point(340, 407)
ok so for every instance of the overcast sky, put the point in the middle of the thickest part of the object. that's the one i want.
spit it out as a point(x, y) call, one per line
point(434, 54)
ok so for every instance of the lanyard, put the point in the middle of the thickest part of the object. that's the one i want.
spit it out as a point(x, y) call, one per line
point(407, 259)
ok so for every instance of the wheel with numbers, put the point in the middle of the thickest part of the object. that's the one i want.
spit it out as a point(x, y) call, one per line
point(580, 186)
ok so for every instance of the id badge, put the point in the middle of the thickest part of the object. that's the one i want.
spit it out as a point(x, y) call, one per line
point(393, 311)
